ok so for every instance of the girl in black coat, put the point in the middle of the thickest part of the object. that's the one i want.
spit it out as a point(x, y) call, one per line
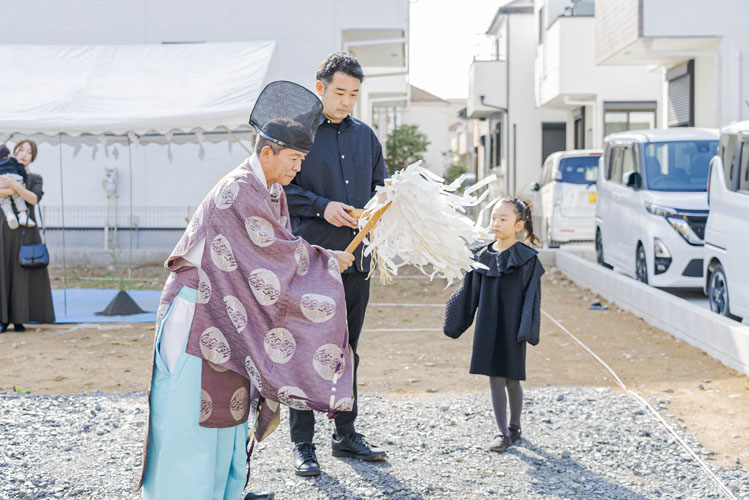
point(507, 295)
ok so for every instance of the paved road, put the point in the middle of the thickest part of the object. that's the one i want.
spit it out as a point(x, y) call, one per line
point(697, 297)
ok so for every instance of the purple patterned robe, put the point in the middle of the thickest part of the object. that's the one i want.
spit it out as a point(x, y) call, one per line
point(270, 319)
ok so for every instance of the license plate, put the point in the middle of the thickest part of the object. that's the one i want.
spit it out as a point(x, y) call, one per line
point(592, 197)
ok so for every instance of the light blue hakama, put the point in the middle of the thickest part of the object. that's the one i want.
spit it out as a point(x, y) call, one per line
point(185, 460)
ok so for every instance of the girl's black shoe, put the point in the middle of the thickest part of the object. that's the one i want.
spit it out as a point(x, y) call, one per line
point(3, 327)
point(500, 443)
point(18, 327)
point(515, 433)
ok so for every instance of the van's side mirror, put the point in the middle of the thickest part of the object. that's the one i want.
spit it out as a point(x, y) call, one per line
point(535, 186)
point(633, 180)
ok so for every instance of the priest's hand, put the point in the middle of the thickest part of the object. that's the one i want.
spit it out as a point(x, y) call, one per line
point(336, 213)
point(345, 259)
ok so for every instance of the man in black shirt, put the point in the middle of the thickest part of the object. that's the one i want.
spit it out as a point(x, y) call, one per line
point(341, 172)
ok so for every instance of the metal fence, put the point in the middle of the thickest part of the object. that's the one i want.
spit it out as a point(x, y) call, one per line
point(102, 227)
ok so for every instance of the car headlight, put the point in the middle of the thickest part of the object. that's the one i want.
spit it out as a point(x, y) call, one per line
point(677, 222)
point(682, 227)
point(659, 210)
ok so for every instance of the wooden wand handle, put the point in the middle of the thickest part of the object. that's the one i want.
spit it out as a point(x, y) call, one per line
point(370, 224)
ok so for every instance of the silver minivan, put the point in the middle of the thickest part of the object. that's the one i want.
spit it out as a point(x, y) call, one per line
point(567, 195)
point(727, 232)
point(652, 204)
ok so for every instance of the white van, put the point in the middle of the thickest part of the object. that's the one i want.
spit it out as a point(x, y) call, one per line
point(567, 195)
point(652, 204)
point(727, 230)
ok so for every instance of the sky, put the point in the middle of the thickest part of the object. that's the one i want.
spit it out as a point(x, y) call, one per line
point(442, 39)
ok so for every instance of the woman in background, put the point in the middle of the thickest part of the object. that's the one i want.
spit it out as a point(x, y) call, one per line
point(25, 295)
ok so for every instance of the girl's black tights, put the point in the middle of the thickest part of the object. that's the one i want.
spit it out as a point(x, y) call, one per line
point(503, 389)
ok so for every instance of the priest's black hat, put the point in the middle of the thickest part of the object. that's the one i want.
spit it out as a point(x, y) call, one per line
point(287, 114)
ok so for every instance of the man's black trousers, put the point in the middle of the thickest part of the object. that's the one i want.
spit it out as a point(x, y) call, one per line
point(302, 423)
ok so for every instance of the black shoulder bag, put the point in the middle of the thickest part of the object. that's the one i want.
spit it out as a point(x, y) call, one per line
point(35, 256)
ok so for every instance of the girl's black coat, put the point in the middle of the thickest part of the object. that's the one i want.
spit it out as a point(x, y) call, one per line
point(508, 299)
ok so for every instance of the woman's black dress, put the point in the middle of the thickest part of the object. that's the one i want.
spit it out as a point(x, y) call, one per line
point(25, 295)
point(508, 298)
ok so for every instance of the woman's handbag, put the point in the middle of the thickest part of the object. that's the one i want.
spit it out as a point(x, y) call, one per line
point(35, 256)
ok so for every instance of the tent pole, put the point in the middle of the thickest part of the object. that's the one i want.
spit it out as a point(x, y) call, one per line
point(62, 215)
point(238, 141)
point(130, 160)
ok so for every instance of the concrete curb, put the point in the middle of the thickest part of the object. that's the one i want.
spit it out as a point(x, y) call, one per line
point(722, 338)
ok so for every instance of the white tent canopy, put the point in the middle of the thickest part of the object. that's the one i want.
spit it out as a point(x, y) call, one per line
point(117, 89)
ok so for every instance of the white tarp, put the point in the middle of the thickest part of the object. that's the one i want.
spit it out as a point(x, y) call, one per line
point(116, 89)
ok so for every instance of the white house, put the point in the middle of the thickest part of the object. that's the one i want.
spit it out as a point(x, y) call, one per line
point(432, 115)
point(700, 49)
point(598, 100)
point(512, 135)
point(167, 181)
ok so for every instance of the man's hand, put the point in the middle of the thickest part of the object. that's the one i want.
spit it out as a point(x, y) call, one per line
point(336, 214)
point(345, 259)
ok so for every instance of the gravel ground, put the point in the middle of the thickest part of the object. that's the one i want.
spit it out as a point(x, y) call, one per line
point(579, 443)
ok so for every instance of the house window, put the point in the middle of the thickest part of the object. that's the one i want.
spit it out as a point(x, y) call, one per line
point(623, 116)
point(681, 95)
point(553, 138)
point(579, 117)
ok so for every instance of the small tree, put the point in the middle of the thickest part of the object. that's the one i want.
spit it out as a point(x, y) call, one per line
point(405, 145)
point(454, 171)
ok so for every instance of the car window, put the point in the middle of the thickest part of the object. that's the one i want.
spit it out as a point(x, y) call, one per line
point(728, 155)
point(546, 173)
point(614, 173)
point(579, 170)
point(628, 163)
point(744, 171)
point(678, 165)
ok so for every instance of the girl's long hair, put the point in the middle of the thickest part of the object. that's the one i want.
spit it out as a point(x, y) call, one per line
point(524, 213)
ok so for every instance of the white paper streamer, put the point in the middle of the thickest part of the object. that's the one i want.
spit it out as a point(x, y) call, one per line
point(423, 226)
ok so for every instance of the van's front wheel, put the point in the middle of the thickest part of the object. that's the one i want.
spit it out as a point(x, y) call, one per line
point(718, 293)
point(641, 265)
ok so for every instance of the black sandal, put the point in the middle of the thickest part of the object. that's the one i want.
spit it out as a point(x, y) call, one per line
point(515, 433)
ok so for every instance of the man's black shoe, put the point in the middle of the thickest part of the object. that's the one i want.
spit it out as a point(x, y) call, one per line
point(305, 460)
point(355, 446)
point(259, 496)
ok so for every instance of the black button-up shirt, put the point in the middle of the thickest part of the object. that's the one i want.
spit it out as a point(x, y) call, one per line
point(346, 165)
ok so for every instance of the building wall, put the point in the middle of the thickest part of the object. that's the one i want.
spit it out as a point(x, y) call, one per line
point(705, 114)
point(305, 30)
point(617, 26)
point(525, 118)
point(667, 33)
point(711, 18)
point(725, 20)
point(432, 120)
